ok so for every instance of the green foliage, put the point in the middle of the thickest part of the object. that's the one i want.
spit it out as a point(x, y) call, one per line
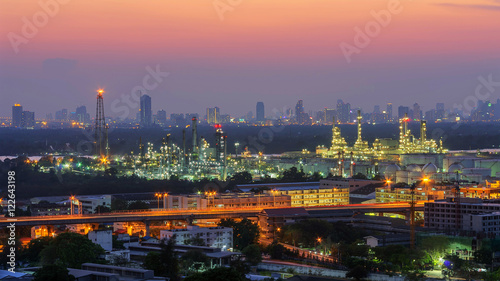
point(102, 209)
point(484, 256)
point(194, 261)
point(245, 232)
point(435, 247)
point(153, 262)
point(118, 204)
point(169, 259)
point(138, 205)
point(71, 250)
point(306, 233)
point(53, 272)
point(31, 253)
point(276, 250)
point(252, 254)
point(293, 175)
point(241, 178)
point(118, 245)
point(217, 274)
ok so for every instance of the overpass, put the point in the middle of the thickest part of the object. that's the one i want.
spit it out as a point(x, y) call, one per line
point(158, 215)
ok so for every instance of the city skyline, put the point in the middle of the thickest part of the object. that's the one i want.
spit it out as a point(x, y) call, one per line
point(232, 65)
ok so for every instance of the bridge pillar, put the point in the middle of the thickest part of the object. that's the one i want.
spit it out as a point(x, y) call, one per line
point(146, 224)
point(380, 214)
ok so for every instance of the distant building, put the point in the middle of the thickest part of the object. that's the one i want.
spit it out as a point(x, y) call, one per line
point(389, 112)
point(451, 214)
point(417, 113)
point(81, 114)
point(343, 112)
point(104, 238)
point(216, 237)
point(402, 110)
point(260, 113)
point(17, 115)
point(161, 117)
point(50, 209)
point(145, 110)
point(28, 120)
point(213, 115)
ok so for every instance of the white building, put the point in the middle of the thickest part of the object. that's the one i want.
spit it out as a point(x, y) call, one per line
point(448, 215)
point(215, 237)
point(103, 238)
point(90, 203)
point(487, 223)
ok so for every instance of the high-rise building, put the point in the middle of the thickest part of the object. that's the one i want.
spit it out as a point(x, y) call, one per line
point(440, 110)
point(17, 115)
point(161, 117)
point(402, 111)
point(389, 112)
point(343, 111)
point(146, 114)
point(417, 113)
point(299, 112)
point(260, 112)
point(328, 115)
point(81, 114)
point(213, 115)
point(28, 120)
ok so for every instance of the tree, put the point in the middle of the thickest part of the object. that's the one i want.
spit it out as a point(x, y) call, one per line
point(118, 204)
point(245, 232)
point(358, 272)
point(53, 272)
point(483, 255)
point(252, 254)
point(276, 250)
point(153, 262)
point(217, 274)
point(194, 261)
point(71, 250)
point(31, 252)
point(102, 209)
point(138, 205)
point(169, 259)
point(435, 246)
point(242, 178)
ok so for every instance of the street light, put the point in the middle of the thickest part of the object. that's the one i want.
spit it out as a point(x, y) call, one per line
point(425, 180)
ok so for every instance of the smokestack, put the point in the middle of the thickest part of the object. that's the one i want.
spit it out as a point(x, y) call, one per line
point(195, 134)
point(352, 164)
point(423, 131)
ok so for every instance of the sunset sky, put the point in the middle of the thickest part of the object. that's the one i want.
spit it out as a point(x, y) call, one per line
point(275, 51)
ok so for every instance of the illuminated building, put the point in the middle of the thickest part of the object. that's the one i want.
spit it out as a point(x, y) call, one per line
point(28, 120)
point(213, 115)
point(409, 144)
point(17, 115)
point(361, 149)
point(216, 237)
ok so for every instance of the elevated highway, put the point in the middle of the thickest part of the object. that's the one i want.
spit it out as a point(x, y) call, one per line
point(159, 215)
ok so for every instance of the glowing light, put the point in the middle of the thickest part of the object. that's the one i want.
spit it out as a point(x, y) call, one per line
point(100, 91)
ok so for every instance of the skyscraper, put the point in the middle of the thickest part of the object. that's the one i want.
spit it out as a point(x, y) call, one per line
point(81, 114)
point(17, 115)
point(402, 110)
point(146, 115)
point(161, 117)
point(28, 120)
point(343, 111)
point(299, 112)
point(389, 112)
point(417, 113)
point(213, 115)
point(260, 112)
point(440, 110)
